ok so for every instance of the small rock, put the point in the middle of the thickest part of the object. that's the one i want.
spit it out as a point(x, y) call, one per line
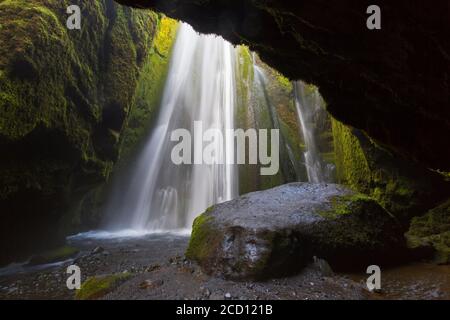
point(153, 268)
point(227, 295)
point(435, 294)
point(323, 267)
point(98, 250)
point(205, 292)
point(378, 291)
point(151, 284)
point(215, 296)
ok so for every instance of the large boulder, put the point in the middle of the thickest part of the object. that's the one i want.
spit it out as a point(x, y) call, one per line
point(277, 231)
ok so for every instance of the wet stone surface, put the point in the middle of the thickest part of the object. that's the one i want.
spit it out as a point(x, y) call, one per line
point(159, 271)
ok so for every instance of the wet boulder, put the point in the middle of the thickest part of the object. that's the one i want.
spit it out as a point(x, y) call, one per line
point(277, 231)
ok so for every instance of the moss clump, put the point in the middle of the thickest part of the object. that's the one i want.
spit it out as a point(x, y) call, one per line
point(351, 163)
point(344, 205)
point(432, 229)
point(96, 287)
point(203, 238)
point(58, 254)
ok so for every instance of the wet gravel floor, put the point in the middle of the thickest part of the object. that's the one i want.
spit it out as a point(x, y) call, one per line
point(159, 271)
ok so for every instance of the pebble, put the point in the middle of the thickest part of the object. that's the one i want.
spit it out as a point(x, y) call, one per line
point(151, 284)
point(215, 296)
point(97, 250)
point(227, 295)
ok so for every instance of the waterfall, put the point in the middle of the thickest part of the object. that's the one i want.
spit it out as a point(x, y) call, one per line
point(308, 106)
point(261, 84)
point(200, 86)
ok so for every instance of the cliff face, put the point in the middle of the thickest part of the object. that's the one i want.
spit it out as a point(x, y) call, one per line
point(392, 83)
point(64, 99)
point(403, 188)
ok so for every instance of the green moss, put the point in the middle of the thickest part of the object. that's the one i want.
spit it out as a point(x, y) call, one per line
point(351, 163)
point(64, 98)
point(150, 88)
point(203, 239)
point(285, 82)
point(399, 187)
point(343, 205)
point(97, 287)
point(433, 229)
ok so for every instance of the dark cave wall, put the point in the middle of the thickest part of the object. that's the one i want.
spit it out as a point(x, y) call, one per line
point(392, 83)
point(403, 188)
point(64, 100)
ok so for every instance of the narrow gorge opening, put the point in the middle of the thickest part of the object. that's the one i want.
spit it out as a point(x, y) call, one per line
point(213, 82)
point(167, 162)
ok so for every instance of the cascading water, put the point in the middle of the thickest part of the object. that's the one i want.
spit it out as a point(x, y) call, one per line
point(200, 87)
point(264, 101)
point(308, 105)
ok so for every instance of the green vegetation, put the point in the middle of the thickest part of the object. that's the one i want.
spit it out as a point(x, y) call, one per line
point(150, 88)
point(253, 113)
point(432, 229)
point(65, 96)
point(343, 205)
point(399, 187)
point(203, 240)
point(97, 287)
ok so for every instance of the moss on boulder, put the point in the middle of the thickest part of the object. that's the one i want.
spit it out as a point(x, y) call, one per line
point(276, 232)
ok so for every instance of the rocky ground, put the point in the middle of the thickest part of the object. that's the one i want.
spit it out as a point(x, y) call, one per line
point(157, 270)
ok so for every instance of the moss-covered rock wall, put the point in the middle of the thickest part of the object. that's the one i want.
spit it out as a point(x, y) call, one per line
point(150, 88)
point(432, 231)
point(64, 99)
point(403, 188)
point(268, 105)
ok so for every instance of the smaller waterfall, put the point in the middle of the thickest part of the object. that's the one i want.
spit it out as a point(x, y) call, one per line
point(308, 105)
point(264, 100)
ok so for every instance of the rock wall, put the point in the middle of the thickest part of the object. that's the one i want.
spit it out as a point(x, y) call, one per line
point(392, 83)
point(64, 99)
point(403, 188)
point(431, 232)
point(268, 105)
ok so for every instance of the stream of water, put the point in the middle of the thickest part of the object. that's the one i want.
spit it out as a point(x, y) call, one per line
point(307, 107)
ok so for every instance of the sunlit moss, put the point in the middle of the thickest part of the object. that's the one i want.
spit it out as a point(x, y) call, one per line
point(150, 87)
